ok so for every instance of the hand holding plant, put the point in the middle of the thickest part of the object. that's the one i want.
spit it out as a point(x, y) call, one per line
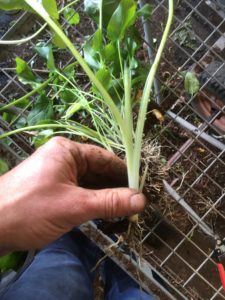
point(108, 78)
point(45, 196)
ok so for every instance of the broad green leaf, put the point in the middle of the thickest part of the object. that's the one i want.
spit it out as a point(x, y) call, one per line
point(51, 7)
point(110, 56)
point(131, 48)
point(145, 11)
point(42, 110)
point(25, 74)
point(92, 7)
point(109, 52)
point(123, 17)
point(97, 41)
point(93, 49)
point(3, 167)
point(21, 122)
point(13, 4)
point(22, 69)
point(191, 83)
point(7, 117)
point(23, 103)
point(104, 77)
point(71, 16)
point(91, 56)
point(46, 53)
point(11, 261)
point(67, 96)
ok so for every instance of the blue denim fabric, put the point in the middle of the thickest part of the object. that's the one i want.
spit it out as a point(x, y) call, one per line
point(62, 271)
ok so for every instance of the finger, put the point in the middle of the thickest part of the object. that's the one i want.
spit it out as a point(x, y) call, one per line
point(101, 165)
point(110, 203)
point(91, 164)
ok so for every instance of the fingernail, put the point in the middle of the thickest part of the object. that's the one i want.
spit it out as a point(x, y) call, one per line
point(137, 203)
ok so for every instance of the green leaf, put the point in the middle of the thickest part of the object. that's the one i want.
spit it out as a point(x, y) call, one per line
point(13, 5)
point(145, 11)
point(46, 53)
point(51, 7)
point(116, 91)
point(69, 71)
point(71, 16)
point(93, 49)
point(42, 137)
point(67, 96)
point(21, 122)
point(42, 110)
point(91, 7)
point(3, 167)
point(104, 76)
point(123, 17)
point(110, 56)
point(91, 56)
point(131, 48)
point(74, 108)
point(97, 41)
point(109, 52)
point(25, 74)
point(7, 117)
point(191, 83)
point(11, 261)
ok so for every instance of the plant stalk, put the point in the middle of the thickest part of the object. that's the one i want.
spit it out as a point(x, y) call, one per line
point(72, 128)
point(28, 95)
point(146, 96)
point(128, 117)
point(144, 105)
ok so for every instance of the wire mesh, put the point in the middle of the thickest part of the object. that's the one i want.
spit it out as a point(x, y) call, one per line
point(175, 244)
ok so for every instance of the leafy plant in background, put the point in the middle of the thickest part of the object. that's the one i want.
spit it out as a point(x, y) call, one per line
point(112, 67)
point(191, 83)
point(11, 261)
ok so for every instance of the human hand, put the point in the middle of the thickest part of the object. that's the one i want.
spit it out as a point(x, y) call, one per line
point(45, 196)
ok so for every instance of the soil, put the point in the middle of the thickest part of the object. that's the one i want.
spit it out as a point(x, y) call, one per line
point(7, 20)
point(166, 220)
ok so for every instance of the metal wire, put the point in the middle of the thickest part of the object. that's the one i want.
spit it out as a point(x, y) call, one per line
point(188, 169)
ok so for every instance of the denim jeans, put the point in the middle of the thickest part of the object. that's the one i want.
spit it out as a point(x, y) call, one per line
point(62, 271)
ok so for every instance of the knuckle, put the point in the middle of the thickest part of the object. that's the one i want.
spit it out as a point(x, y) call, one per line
point(113, 204)
point(55, 144)
point(57, 141)
point(53, 147)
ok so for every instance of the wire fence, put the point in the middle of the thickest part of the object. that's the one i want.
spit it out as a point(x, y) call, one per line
point(180, 235)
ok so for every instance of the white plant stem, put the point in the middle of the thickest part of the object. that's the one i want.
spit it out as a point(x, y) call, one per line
point(146, 97)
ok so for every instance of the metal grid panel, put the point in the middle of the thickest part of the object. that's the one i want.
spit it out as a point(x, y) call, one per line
point(179, 249)
point(195, 158)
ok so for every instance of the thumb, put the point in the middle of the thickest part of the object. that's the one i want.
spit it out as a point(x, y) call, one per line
point(118, 202)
